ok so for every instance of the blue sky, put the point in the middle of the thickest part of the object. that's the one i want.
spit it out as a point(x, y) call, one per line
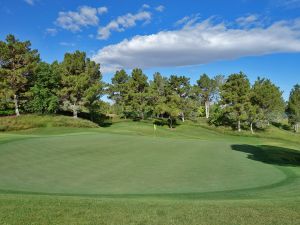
point(258, 37)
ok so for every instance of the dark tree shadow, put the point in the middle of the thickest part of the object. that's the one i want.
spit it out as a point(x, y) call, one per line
point(270, 154)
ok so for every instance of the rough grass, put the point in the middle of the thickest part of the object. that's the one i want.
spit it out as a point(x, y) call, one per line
point(24, 122)
point(129, 174)
point(45, 210)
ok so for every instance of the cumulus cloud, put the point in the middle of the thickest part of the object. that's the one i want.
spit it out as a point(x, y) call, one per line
point(160, 8)
point(83, 17)
point(102, 10)
point(145, 6)
point(200, 43)
point(122, 23)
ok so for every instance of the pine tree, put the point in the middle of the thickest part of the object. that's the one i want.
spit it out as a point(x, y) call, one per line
point(206, 88)
point(268, 98)
point(180, 86)
point(235, 98)
point(81, 82)
point(157, 93)
point(17, 65)
point(118, 90)
point(138, 93)
point(293, 108)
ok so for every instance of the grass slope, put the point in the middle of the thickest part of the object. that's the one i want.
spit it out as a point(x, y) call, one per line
point(31, 121)
point(127, 174)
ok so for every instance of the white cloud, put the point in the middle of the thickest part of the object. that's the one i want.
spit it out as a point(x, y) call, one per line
point(51, 31)
point(102, 10)
point(247, 20)
point(145, 6)
point(160, 8)
point(122, 23)
point(200, 43)
point(250, 20)
point(83, 17)
point(188, 20)
point(289, 4)
point(30, 2)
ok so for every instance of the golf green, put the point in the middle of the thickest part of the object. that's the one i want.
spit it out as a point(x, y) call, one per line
point(108, 163)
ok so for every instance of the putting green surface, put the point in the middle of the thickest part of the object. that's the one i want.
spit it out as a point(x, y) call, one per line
point(99, 163)
point(127, 174)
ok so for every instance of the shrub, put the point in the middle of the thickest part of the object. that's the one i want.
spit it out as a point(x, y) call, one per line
point(36, 121)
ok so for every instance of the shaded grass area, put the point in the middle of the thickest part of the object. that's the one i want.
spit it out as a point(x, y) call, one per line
point(271, 154)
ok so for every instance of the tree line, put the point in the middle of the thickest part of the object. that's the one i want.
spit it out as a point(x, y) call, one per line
point(75, 85)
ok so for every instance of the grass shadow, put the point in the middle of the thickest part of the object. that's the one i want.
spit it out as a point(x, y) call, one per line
point(270, 154)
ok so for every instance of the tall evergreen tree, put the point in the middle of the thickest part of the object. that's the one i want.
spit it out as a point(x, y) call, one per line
point(17, 64)
point(81, 82)
point(138, 93)
point(235, 98)
point(206, 88)
point(180, 86)
point(118, 90)
point(158, 94)
point(293, 108)
point(268, 98)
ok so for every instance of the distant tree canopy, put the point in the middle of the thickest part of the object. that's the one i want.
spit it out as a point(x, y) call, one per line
point(75, 85)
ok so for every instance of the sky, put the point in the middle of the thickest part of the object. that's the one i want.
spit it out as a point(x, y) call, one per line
point(190, 37)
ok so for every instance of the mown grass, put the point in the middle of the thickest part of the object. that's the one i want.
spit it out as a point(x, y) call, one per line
point(128, 173)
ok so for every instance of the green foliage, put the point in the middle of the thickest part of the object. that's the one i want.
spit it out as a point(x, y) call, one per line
point(268, 98)
point(17, 65)
point(205, 90)
point(8, 112)
point(35, 121)
point(43, 95)
point(235, 97)
point(118, 91)
point(137, 98)
point(75, 85)
point(293, 108)
point(80, 81)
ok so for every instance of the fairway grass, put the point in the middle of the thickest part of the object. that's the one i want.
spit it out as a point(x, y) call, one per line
point(129, 174)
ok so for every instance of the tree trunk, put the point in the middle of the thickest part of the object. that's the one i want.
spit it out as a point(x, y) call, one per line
point(142, 115)
point(207, 109)
point(251, 128)
point(16, 105)
point(296, 127)
point(239, 125)
point(75, 111)
point(171, 122)
point(182, 117)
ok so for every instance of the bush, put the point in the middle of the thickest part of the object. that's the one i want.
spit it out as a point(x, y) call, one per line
point(7, 112)
point(24, 122)
point(161, 122)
